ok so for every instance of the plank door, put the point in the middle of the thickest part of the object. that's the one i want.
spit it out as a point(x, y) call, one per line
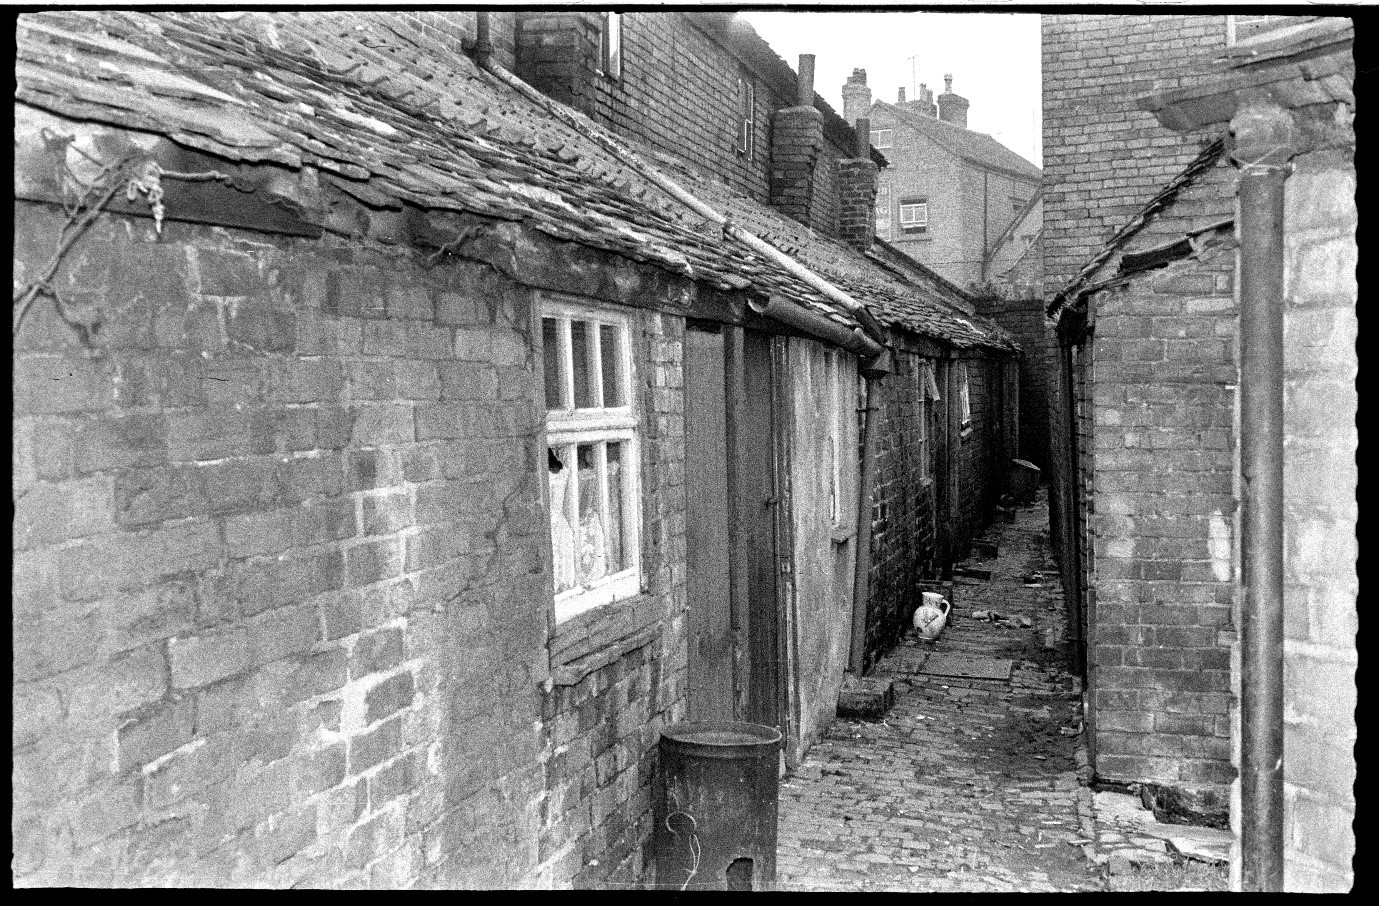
point(754, 492)
point(706, 528)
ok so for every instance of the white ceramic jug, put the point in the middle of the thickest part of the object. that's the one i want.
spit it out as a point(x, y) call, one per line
point(932, 615)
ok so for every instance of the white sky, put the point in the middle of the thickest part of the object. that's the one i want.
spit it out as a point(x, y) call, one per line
point(993, 58)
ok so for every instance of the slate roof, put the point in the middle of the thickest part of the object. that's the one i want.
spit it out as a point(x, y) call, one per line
point(385, 112)
point(977, 147)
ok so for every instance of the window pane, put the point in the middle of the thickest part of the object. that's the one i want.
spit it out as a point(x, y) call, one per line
point(618, 556)
point(550, 353)
point(591, 543)
point(613, 380)
point(579, 355)
point(561, 475)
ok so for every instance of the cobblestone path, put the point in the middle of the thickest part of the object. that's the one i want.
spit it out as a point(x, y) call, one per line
point(965, 784)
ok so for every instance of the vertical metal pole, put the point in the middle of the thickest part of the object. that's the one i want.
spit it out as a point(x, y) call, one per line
point(1261, 464)
point(861, 577)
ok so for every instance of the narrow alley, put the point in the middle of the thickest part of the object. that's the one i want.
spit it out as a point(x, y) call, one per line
point(969, 782)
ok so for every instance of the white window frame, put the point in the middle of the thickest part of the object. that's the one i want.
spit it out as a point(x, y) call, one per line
point(918, 221)
point(747, 129)
point(882, 138)
point(883, 212)
point(568, 427)
point(610, 45)
point(964, 395)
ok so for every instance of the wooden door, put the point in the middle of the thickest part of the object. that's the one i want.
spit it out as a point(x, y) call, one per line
point(754, 548)
point(711, 680)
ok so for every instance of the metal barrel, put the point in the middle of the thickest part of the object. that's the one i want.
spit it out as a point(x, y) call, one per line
point(715, 812)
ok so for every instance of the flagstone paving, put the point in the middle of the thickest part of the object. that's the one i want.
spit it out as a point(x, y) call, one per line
point(966, 784)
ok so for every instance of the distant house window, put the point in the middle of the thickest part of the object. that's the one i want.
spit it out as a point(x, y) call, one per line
point(747, 116)
point(591, 458)
point(964, 398)
point(914, 215)
point(881, 138)
point(610, 40)
point(883, 212)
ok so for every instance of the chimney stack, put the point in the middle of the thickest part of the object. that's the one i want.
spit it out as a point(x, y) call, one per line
point(797, 138)
point(856, 97)
point(806, 80)
point(925, 101)
point(952, 108)
point(857, 192)
point(900, 98)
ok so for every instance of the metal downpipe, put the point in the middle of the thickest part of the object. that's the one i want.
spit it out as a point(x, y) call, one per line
point(1261, 465)
point(861, 577)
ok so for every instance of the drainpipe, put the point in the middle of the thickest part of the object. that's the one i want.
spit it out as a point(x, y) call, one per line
point(1263, 139)
point(811, 322)
point(861, 576)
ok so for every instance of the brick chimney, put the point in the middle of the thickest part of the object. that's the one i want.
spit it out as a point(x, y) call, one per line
point(797, 137)
point(857, 192)
point(856, 97)
point(925, 102)
point(952, 108)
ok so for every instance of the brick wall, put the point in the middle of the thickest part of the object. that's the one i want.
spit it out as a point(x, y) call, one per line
point(273, 556)
point(904, 547)
point(1024, 319)
point(921, 169)
point(622, 673)
point(1320, 477)
point(1163, 399)
point(678, 92)
point(280, 582)
point(1103, 159)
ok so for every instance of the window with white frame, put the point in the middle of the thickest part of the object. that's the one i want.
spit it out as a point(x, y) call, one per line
point(964, 398)
point(747, 119)
point(883, 212)
point(610, 49)
point(1243, 29)
point(592, 456)
point(881, 138)
point(914, 215)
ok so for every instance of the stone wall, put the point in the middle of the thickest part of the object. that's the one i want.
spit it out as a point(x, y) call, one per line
point(282, 597)
point(277, 542)
point(1321, 512)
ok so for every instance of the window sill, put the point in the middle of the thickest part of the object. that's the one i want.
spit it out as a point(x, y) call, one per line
point(598, 637)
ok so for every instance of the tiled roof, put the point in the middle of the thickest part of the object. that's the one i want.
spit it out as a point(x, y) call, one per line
point(977, 147)
point(373, 103)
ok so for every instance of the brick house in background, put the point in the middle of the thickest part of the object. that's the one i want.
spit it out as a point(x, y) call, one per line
point(948, 194)
point(971, 209)
point(1149, 123)
point(365, 531)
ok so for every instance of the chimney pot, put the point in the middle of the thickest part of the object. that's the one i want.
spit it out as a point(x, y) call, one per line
point(901, 97)
point(806, 80)
point(948, 84)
